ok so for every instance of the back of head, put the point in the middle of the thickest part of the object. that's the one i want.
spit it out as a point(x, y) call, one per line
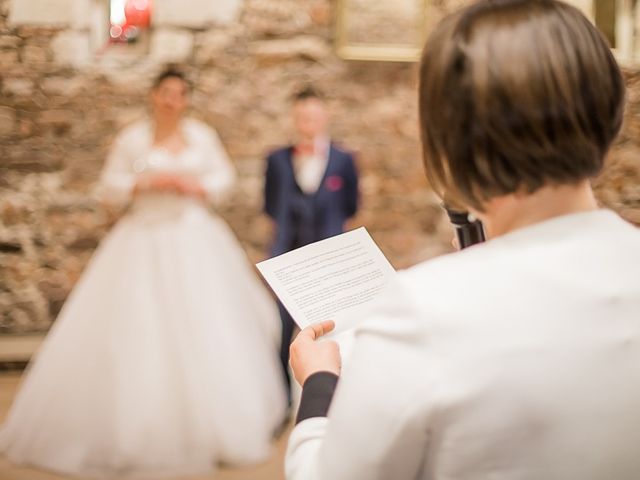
point(516, 95)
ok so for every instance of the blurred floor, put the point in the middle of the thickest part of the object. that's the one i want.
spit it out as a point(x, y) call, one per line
point(18, 348)
point(272, 470)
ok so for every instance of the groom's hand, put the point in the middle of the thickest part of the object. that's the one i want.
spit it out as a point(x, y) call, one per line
point(309, 356)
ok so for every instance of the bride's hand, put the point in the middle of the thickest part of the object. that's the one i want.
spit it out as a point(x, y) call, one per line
point(172, 183)
point(190, 187)
point(156, 183)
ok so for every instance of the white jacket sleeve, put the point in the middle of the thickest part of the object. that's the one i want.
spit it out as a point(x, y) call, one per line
point(220, 175)
point(376, 427)
point(118, 177)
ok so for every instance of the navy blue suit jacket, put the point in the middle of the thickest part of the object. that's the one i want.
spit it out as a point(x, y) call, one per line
point(305, 218)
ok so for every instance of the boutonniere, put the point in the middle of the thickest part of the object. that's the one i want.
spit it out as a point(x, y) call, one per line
point(333, 183)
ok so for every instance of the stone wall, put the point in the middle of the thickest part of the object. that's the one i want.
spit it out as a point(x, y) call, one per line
point(63, 99)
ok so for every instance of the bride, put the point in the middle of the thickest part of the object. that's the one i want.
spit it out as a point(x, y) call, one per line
point(146, 372)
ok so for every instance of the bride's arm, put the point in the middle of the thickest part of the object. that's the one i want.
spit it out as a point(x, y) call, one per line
point(118, 179)
point(220, 175)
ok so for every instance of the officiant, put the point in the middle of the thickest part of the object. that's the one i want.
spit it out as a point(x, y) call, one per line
point(517, 358)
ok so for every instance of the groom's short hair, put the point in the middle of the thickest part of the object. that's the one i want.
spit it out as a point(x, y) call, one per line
point(306, 93)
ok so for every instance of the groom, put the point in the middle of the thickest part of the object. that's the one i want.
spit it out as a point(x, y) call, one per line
point(311, 189)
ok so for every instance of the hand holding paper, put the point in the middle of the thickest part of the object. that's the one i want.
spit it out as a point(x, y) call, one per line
point(309, 357)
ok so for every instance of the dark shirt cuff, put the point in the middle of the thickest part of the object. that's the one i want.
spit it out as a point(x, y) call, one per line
point(317, 393)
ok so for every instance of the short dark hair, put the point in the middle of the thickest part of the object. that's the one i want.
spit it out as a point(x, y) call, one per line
point(171, 71)
point(307, 93)
point(515, 95)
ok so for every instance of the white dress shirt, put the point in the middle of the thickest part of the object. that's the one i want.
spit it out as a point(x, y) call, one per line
point(309, 169)
point(517, 359)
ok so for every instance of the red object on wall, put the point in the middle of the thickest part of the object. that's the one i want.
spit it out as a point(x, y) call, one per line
point(138, 13)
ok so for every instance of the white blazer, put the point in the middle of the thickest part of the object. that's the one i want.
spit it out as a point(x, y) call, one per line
point(517, 359)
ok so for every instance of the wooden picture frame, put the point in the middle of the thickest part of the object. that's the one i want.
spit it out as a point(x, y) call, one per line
point(381, 30)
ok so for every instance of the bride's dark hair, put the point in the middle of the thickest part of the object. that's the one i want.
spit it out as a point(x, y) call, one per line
point(171, 71)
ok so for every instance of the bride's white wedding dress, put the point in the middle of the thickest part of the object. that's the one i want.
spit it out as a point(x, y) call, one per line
point(163, 360)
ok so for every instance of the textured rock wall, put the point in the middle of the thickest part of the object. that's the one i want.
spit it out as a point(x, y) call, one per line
point(63, 100)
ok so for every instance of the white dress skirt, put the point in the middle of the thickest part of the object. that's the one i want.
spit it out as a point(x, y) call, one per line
point(163, 361)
